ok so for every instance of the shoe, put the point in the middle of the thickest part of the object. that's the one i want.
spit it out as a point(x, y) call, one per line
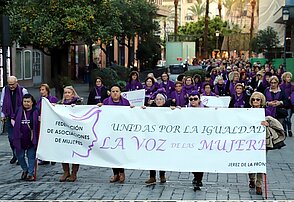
point(162, 179)
point(196, 188)
point(24, 175)
point(53, 163)
point(64, 177)
point(114, 178)
point(122, 177)
point(290, 133)
point(151, 180)
point(252, 184)
point(13, 160)
point(258, 190)
point(199, 184)
point(71, 178)
point(194, 181)
point(30, 178)
point(17, 163)
point(43, 162)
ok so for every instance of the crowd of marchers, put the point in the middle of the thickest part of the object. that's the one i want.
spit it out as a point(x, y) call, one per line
point(248, 85)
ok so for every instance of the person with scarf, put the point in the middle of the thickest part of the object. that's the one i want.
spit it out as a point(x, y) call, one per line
point(179, 97)
point(25, 136)
point(168, 85)
point(276, 99)
point(207, 90)
point(133, 83)
point(197, 82)
point(288, 88)
point(116, 99)
point(150, 87)
point(219, 86)
point(70, 97)
point(45, 93)
point(189, 86)
point(11, 100)
point(194, 101)
point(233, 80)
point(258, 100)
point(239, 99)
point(159, 101)
point(98, 93)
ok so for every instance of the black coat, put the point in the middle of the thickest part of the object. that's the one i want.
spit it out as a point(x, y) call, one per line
point(92, 99)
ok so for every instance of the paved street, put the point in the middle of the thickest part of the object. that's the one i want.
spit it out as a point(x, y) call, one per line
point(93, 182)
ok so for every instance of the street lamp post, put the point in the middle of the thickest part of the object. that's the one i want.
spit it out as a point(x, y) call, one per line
point(216, 45)
point(286, 15)
point(253, 4)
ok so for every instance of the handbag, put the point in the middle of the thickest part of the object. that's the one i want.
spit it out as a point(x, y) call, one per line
point(281, 112)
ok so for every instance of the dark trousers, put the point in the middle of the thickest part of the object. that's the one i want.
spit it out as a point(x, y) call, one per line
point(153, 173)
point(10, 135)
point(117, 171)
point(198, 176)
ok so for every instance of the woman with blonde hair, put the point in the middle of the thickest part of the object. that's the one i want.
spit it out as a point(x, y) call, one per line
point(258, 100)
point(70, 97)
point(233, 80)
point(288, 88)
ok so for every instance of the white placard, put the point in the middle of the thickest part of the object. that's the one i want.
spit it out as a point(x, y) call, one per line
point(216, 140)
point(216, 101)
point(136, 97)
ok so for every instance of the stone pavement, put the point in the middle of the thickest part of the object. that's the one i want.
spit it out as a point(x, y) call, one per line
point(93, 182)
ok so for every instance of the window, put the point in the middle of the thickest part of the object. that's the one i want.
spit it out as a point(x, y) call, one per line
point(23, 69)
point(18, 68)
point(37, 63)
point(27, 64)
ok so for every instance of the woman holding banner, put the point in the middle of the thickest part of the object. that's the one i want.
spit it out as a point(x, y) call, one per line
point(26, 133)
point(159, 101)
point(257, 100)
point(194, 101)
point(70, 97)
point(115, 98)
point(45, 93)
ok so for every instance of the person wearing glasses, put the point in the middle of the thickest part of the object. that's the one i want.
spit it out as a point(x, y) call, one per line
point(288, 88)
point(194, 101)
point(116, 99)
point(207, 90)
point(258, 100)
point(276, 99)
point(11, 100)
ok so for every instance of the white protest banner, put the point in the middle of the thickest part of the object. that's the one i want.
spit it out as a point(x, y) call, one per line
point(216, 101)
point(136, 97)
point(188, 139)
